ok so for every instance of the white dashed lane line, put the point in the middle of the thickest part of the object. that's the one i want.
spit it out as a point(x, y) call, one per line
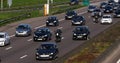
point(29, 40)
point(12, 36)
point(23, 56)
point(8, 48)
point(40, 26)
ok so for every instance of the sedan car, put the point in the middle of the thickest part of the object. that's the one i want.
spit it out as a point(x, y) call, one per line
point(91, 8)
point(42, 34)
point(108, 9)
point(117, 13)
point(47, 50)
point(97, 11)
point(4, 39)
point(81, 32)
point(78, 20)
point(70, 14)
point(74, 2)
point(52, 21)
point(106, 19)
point(23, 30)
point(103, 4)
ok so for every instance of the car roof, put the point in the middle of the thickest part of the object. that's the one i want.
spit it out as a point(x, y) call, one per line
point(49, 43)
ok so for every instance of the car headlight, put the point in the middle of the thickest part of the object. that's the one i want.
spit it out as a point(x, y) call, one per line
point(47, 21)
point(84, 34)
point(45, 35)
point(74, 34)
point(51, 53)
point(37, 53)
point(16, 31)
point(55, 21)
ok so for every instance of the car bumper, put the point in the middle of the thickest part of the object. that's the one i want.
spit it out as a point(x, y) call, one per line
point(106, 22)
point(21, 34)
point(40, 39)
point(2, 44)
point(39, 57)
point(80, 37)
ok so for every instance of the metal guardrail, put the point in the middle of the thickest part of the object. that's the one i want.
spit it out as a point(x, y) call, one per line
point(26, 15)
point(107, 52)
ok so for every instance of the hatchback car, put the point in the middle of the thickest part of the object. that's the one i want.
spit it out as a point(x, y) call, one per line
point(91, 8)
point(52, 21)
point(117, 13)
point(81, 32)
point(4, 39)
point(23, 30)
point(47, 50)
point(70, 14)
point(78, 20)
point(108, 9)
point(42, 34)
point(106, 19)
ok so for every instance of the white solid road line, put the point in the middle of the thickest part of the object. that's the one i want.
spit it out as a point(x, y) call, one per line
point(29, 40)
point(39, 26)
point(8, 48)
point(12, 36)
point(82, 13)
point(118, 61)
point(23, 56)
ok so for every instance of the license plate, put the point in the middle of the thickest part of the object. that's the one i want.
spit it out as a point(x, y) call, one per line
point(39, 39)
point(79, 36)
point(50, 23)
point(44, 55)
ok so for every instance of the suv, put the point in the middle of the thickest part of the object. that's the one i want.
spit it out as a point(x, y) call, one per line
point(78, 20)
point(81, 32)
point(47, 50)
point(52, 21)
point(4, 39)
point(42, 34)
point(23, 30)
point(70, 14)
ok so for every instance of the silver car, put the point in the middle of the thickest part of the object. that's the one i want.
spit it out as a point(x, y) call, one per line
point(4, 39)
point(23, 30)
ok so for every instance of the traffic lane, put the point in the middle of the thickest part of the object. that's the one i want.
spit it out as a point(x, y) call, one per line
point(67, 43)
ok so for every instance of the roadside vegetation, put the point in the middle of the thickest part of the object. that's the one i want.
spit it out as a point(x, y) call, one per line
point(96, 46)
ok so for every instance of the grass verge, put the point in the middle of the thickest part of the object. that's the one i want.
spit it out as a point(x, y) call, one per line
point(98, 46)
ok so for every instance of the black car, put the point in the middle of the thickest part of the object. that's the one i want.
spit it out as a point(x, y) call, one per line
point(97, 11)
point(81, 32)
point(74, 2)
point(70, 14)
point(91, 8)
point(108, 9)
point(42, 34)
point(52, 21)
point(23, 30)
point(47, 50)
point(116, 6)
point(103, 4)
point(78, 20)
point(117, 13)
point(111, 2)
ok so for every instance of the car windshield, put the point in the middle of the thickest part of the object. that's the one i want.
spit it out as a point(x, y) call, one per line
point(70, 12)
point(91, 7)
point(47, 46)
point(108, 7)
point(78, 18)
point(51, 18)
point(41, 30)
point(22, 27)
point(1, 35)
point(80, 29)
point(106, 16)
point(96, 10)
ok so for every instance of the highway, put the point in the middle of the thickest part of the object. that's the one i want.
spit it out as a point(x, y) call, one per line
point(22, 49)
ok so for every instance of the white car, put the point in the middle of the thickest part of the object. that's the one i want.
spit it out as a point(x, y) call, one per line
point(4, 39)
point(106, 19)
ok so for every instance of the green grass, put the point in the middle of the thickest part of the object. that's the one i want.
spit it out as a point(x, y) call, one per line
point(96, 46)
point(20, 3)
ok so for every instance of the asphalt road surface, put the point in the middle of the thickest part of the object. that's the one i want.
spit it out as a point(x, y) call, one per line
point(22, 49)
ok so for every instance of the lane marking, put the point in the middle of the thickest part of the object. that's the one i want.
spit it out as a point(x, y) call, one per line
point(39, 26)
point(118, 61)
point(8, 48)
point(29, 40)
point(12, 36)
point(23, 56)
point(60, 27)
point(61, 19)
point(82, 13)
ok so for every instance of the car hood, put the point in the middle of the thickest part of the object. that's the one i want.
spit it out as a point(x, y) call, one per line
point(82, 32)
point(2, 39)
point(46, 51)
